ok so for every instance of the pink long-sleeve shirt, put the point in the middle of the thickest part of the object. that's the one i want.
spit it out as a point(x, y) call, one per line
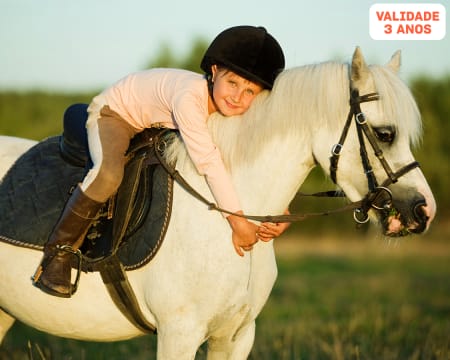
point(179, 100)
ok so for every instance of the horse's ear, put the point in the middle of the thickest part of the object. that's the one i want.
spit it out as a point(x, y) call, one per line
point(395, 62)
point(359, 66)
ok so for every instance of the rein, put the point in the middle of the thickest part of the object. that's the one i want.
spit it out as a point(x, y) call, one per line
point(378, 197)
point(262, 218)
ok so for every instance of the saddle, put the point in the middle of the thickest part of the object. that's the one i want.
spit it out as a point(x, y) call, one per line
point(142, 202)
point(130, 227)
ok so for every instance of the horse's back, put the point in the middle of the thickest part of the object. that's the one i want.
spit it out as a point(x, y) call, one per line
point(10, 150)
point(34, 190)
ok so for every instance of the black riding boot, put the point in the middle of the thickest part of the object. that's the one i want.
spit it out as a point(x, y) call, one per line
point(53, 273)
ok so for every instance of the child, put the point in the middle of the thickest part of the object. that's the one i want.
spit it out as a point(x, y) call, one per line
point(240, 62)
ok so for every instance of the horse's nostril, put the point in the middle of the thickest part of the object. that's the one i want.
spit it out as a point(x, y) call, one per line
point(420, 216)
point(419, 211)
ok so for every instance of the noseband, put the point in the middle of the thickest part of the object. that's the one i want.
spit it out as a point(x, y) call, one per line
point(378, 196)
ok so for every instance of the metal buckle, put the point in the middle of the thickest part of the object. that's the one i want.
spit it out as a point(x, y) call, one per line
point(336, 149)
point(357, 216)
point(360, 118)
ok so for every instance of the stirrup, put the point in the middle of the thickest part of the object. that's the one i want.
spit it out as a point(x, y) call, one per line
point(79, 255)
point(66, 248)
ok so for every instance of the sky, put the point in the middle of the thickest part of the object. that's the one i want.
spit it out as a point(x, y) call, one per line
point(86, 45)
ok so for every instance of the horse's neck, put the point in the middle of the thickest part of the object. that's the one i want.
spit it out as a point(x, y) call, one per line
point(304, 111)
point(268, 160)
point(269, 183)
point(269, 149)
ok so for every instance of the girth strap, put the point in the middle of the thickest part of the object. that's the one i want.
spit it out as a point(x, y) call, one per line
point(116, 281)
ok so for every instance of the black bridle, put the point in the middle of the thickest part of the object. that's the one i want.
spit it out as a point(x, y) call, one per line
point(379, 196)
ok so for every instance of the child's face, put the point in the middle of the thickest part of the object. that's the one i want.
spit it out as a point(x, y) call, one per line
point(232, 93)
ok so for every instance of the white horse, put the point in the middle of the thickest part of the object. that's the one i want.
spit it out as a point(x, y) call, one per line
point(196, 288)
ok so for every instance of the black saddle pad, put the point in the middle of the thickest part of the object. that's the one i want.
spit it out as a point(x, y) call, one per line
point(36, 188)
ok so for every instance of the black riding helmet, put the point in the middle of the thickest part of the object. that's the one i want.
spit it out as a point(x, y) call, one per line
point(249, 51)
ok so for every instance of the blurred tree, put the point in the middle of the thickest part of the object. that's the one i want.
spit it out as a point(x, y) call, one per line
point(166, 57)
point(433, 99)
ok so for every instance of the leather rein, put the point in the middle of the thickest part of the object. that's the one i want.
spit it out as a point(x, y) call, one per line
point(379, 197)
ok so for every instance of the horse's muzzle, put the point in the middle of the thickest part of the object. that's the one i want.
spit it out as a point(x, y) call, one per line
point(404, 217)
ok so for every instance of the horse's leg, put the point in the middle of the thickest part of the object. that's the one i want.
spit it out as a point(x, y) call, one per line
point(6, 321)
point(179, 341)
point(234, 347)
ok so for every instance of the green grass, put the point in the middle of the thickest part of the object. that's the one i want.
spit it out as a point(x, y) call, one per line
point(335, 307)
point(334, 299)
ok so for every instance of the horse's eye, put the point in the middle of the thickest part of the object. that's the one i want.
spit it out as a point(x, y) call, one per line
point(385, 134)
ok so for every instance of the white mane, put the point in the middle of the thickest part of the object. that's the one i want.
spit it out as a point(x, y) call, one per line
point(306, 99)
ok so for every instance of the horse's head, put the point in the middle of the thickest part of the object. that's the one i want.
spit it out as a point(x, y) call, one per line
point(373, 160)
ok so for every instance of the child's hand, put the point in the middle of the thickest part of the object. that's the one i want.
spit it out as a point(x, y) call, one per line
point(268, 231)
point(244, 234)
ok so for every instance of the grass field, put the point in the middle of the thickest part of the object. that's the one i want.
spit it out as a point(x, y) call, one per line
point(346, 298)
